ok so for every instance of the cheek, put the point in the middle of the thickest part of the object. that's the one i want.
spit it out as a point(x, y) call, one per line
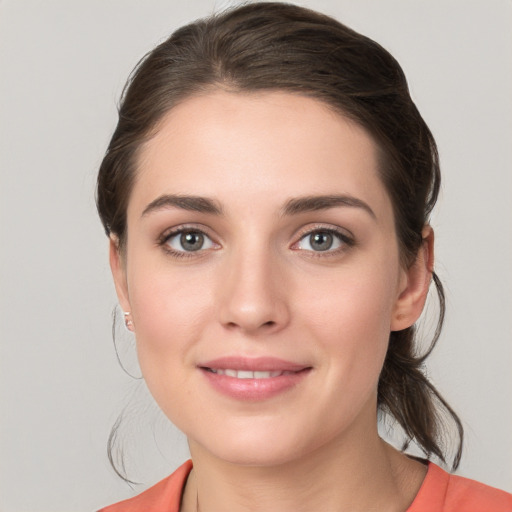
point(351, 315)
point(168, 313)
point(168, 308)
point(352, 302)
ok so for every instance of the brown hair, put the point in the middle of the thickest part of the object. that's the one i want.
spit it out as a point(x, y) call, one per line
point(276, 46)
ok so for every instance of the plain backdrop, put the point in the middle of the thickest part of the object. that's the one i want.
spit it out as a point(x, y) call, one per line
point(62, 67)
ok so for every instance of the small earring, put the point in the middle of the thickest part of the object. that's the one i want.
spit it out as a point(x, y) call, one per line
point(128, 321)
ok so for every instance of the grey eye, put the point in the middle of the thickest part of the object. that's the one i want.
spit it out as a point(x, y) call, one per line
point(189, 241)
point(320, 241)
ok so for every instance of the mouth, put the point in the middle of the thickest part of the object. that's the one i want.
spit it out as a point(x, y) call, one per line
point(248, 374)
point(253, 379)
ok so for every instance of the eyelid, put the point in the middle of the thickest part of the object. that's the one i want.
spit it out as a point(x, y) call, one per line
point(177, 238)
point(169, 233)
point(180, 228)
point(343, 235)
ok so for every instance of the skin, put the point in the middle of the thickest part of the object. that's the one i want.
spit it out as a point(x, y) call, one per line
point(258, 288)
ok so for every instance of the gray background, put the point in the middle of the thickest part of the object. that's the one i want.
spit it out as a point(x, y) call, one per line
point(62, 67)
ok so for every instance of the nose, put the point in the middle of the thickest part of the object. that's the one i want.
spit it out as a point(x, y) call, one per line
point(253, 294)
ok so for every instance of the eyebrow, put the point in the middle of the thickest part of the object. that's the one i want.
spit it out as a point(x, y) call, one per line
point(292, 207)
point(314, 203)
point(185, 202)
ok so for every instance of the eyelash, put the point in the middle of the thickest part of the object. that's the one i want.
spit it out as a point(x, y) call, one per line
point(163, 241)
point(346, 241)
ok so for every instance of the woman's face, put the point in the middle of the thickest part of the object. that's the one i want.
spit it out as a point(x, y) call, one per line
point(263, 275)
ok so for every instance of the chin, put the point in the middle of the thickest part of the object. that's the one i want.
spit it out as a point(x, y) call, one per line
point(257, 445)
point(257, 456)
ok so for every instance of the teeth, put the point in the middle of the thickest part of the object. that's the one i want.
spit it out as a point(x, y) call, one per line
point(246, 374)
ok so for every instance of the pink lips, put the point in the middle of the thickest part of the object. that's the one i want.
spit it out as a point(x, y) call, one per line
point(252, 378)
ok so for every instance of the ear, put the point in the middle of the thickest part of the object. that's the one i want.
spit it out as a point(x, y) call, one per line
point(415, 284)
point(118, 268)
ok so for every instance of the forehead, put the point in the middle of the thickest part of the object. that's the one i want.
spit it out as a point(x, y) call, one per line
point(243, 145)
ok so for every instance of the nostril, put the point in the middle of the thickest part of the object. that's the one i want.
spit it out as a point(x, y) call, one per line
point(267, 325)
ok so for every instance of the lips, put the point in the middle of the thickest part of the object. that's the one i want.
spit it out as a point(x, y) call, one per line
point(253, 379)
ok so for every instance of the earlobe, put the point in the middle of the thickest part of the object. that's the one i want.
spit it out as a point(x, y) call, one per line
point(413, 293)
point(118, 268)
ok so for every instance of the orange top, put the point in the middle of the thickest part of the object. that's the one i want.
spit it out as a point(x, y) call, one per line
point(440, 492)
point(443, 492)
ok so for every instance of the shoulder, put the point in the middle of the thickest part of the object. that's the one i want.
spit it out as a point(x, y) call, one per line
point(469, 495)
point(443, 492)
point(165, 495)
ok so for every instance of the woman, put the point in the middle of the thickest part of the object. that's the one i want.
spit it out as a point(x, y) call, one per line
point(267, 194)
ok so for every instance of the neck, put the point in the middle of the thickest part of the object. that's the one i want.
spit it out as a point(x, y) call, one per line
point(362, 474)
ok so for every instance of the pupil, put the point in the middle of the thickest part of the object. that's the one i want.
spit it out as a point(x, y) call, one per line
point(321, 241)
point(192, 241)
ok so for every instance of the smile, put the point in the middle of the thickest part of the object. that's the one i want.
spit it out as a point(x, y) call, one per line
point(247, 374)
point(253, 379)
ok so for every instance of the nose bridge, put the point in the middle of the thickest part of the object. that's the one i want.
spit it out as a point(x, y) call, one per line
point(253, 295)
